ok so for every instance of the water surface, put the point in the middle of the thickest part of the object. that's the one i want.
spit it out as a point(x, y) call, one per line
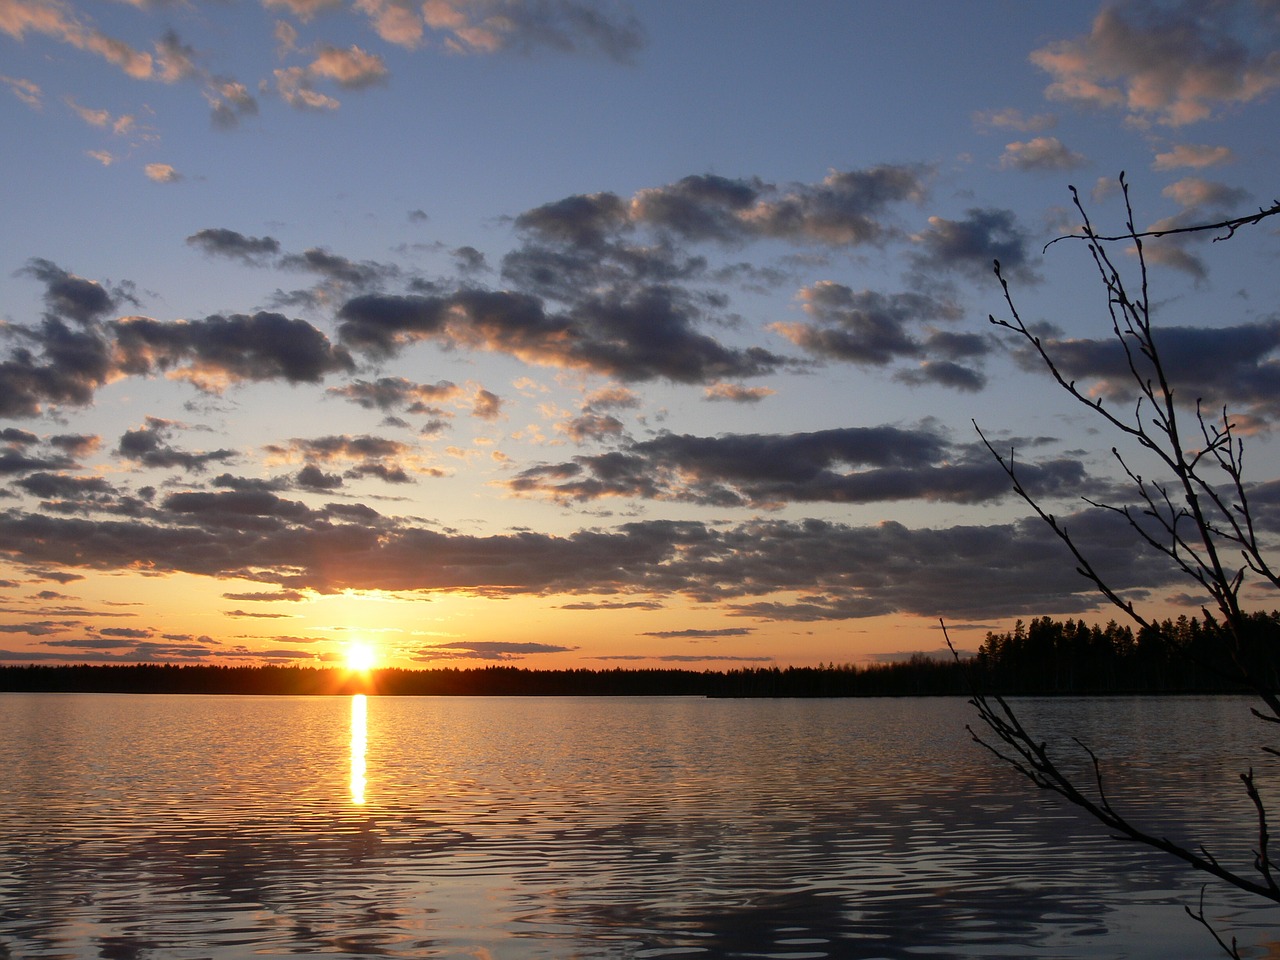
point(177, 828)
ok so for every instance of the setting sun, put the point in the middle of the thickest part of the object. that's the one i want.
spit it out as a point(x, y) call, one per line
point(361, 657)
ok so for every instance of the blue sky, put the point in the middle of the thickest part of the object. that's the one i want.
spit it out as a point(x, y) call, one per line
point(602, 334)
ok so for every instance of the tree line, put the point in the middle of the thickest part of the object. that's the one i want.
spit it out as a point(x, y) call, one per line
point(1042, 657)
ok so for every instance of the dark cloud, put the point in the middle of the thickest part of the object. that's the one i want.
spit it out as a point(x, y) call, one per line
point(384, 472)
point(769, 470)
point(943, 373)
point(470, 260)
point(343, 447)
point(391, 393)
point(259, 484)
point(339, 269)
point(273, 596)
point(591, 427)
point(39, 628)
point(865, 327)
point(846, 208)
point(221, 242)
point(148, 446)
point(18, 438)
point(823, 570)
point(58, 486)
point(1236, 367)
point(569, 26)
point(487, 650)
point(15, 462)
point(53, 364)
point(311, 477)
point(696, 634)
point(127, 633)
point(229, 102)
point(971, 245)
point(225, 349)
point(371, 456)
point(603, 284)
point(69, 296)
point(646, 334)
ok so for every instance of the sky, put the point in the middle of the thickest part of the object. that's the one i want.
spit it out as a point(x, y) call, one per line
point(559, 334)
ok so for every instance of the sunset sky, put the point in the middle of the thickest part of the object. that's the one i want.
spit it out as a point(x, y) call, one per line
point(558, 333)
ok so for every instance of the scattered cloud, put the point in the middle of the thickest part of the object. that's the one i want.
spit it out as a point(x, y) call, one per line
point(1174, 65)
point(848, 465)
point(1196, 156)
point(1040, 153)
point(162, 173)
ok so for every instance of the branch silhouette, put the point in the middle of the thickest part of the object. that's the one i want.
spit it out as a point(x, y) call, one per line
point(1197, 517)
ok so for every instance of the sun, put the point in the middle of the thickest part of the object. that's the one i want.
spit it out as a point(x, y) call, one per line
point(361, 657)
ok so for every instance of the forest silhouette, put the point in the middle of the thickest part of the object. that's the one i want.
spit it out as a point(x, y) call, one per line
point(1044, 657)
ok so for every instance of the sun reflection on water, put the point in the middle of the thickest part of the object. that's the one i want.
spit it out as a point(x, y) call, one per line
point(359, 743)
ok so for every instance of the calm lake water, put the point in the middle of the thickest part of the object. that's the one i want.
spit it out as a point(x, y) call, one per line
point(225, 827)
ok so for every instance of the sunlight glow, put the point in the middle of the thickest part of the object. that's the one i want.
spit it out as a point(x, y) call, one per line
point(361, 657)
point(359, 744)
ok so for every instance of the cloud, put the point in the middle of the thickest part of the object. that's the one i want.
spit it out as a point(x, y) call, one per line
point(395, 21)
point(1237, 367)
point(496, 650)
point(220, 350)
point(338, 268)
point(352, 68)
point(370, 456)
point(57, 486)
point(1196, 156)
point(846, 208)
point(393, 393)
point(486, 405)
point(1013, 119)
point(568, 26)
point(880, 464)
point(1172, 64)
point(646, 335)
point(824, 570)
point(304, 10)
point(162, 173)
point(1203, 201)
point(67, 295)
point(591, 427)
point(1204, 195)
point(1040, 153)
point(296, 88)
point(970, 245)
point(864, 327)
point(221, 242)
point(28, 91)
point(603, 284)
point(55, 363)
point(148, 447)
point(13, 462)
point(56, 21)
point(736, 393)
point(229, 102)
point(697, 634)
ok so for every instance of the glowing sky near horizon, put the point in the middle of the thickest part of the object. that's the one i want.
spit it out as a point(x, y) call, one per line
point(593, 334)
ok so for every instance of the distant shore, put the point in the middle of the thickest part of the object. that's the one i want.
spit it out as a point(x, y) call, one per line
point(918, 676)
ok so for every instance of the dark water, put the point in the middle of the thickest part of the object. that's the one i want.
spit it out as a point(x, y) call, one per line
point(221, 827)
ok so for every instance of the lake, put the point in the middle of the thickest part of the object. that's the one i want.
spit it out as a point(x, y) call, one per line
point(175, 828)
